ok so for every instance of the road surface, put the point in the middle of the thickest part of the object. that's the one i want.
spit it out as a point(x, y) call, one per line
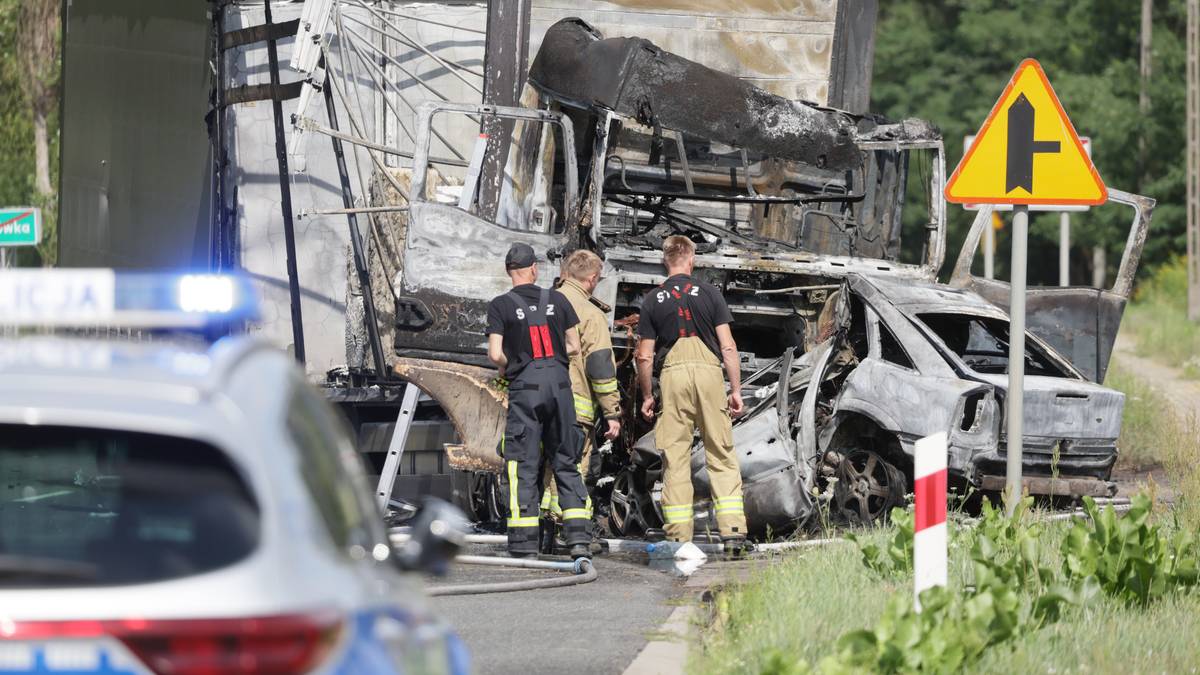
point(594, 628)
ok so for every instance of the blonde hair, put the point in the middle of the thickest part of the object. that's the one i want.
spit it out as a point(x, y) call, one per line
point(677, 249)
point(581, 264)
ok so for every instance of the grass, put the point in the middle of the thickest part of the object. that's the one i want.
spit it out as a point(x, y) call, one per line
point(798, 606)
point(1143, 441)
point(1157, 317)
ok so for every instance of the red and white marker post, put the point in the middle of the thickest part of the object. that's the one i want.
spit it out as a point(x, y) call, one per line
point(929, 526)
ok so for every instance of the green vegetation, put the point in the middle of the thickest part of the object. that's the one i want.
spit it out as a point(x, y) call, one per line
point(1025, 595)
point(1157, 318)
point(948, 60)
point(29, 79)
point(1109, 594)
point(1144, 441)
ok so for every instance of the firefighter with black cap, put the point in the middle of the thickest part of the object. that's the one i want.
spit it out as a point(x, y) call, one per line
point(685, 339)
point(531, 335)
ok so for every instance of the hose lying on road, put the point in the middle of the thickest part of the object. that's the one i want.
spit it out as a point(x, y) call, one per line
point(583, 572)
point(399, 535)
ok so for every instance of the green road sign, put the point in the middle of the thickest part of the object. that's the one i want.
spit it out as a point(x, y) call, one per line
point(20, 226)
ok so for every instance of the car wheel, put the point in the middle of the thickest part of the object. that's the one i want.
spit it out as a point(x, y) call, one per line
point(626, 516)
point(867, 488)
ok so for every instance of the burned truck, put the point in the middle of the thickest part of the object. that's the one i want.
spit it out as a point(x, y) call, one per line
point(804, 217)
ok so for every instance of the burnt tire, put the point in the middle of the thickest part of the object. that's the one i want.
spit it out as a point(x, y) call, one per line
point(627, 507)
point(868, 487)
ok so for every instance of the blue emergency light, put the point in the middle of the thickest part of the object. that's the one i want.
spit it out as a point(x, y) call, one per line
point(106, 298)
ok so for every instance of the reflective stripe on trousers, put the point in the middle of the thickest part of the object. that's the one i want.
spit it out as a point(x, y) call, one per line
point(514, 503)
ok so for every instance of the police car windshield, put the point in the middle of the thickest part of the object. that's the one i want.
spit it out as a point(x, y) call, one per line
point(82, 507)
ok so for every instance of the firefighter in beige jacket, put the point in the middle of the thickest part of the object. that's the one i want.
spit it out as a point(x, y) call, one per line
point(593, 370)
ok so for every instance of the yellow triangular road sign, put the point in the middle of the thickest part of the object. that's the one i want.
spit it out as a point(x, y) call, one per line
point(1027, 151)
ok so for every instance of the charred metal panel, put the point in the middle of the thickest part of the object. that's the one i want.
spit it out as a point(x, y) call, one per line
point(853, 55)
point(1057, 409)
point(1080, 323)
point(782, 46)
point(773, 482)
point(902, 401)
point(504, 65)
point(453, 267)
point(657, 88)
point(476, 409)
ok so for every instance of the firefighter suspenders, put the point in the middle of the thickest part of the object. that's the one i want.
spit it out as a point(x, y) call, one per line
point(687, 326)
point(540, 343)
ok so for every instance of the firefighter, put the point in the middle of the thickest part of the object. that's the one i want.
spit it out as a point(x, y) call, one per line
point(531, 333)
point(593, 370)
point(684, 339)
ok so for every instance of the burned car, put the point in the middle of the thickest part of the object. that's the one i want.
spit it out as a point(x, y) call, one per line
point(824, 230)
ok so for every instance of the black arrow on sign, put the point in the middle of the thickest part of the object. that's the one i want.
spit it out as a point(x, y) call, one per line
point(1022, 147)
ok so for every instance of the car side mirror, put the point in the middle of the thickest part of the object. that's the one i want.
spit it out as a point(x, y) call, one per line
point(438, 532)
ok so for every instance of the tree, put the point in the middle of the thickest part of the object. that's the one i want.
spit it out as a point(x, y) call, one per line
point(38, 51)
point(948, 60)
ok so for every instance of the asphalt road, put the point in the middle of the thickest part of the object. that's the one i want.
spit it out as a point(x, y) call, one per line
point(593, 628)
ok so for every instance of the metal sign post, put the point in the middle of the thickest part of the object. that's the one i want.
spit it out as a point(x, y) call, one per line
point(1016, 357)
point(1064, 249)
point(1026, 152)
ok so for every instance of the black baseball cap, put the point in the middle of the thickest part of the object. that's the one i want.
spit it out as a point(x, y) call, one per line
point(519, 256)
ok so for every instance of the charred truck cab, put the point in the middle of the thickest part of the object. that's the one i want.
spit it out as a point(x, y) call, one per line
point(824, 229)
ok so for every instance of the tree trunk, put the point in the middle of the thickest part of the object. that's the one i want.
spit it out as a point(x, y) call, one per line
point(41, 146)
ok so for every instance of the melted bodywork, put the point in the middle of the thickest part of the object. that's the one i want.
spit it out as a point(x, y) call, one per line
point(823, 229)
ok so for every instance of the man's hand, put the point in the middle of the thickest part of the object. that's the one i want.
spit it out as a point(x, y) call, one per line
point(736, 407)
point(614, 430)
point(648, 407)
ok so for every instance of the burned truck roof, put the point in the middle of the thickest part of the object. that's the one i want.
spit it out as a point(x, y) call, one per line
point(633, 77)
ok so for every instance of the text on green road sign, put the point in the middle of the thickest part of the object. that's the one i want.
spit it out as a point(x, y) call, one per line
point(20, 226)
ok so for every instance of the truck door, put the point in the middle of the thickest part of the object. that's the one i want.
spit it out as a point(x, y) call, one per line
point(1081, 323)
point(452, 258)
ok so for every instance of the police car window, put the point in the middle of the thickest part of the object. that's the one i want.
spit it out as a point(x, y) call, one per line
point(83, 507)
point(316, 430)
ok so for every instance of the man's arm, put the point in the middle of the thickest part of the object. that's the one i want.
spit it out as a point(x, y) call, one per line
point(645, 370)
point(733, 367)
point(572, 340)
point(496, 351)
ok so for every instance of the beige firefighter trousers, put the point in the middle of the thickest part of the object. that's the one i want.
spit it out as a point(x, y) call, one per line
point(693, 395)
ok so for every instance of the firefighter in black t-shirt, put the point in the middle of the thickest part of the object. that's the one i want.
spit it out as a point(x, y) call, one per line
point(531, 333)
point(684, 339)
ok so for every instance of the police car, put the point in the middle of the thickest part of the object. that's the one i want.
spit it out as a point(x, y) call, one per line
point(186, 509)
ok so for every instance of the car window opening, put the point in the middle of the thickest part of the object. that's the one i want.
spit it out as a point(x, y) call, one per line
point(890, 349)
point(982, 344)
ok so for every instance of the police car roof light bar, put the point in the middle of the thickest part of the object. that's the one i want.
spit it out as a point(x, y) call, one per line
point(86, 298)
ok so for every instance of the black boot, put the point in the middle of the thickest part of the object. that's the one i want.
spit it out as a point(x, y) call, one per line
point(546, 535)
point(580, 551)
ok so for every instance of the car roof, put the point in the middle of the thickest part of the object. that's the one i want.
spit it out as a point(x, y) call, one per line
point(915, 296)
point(60, 360)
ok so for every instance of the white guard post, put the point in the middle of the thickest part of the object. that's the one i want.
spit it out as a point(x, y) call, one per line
point(929, 526)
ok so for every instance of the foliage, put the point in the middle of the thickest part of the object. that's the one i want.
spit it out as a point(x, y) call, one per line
point(896, 557)
point(1158, 319)
point(1011, 593)
point(948, 60)
point(18, 183)
point(1129, 557)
